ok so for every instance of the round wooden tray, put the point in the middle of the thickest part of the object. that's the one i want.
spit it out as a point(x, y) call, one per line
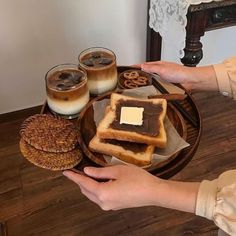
point(165, 169)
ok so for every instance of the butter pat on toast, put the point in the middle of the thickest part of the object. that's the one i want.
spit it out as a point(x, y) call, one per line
point(151, 131)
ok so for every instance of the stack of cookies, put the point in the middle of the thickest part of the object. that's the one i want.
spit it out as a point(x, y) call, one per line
point(50, 142)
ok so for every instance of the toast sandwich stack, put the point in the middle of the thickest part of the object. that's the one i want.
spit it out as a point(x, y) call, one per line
point(131, 129)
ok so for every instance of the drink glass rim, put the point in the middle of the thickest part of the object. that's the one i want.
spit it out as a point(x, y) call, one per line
point(91, 48)
point(76, 67)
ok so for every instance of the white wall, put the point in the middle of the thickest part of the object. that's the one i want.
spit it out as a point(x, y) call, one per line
point(36, 35)
point(218, 45)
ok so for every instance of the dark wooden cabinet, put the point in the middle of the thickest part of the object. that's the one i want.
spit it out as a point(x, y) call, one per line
point(200, 18)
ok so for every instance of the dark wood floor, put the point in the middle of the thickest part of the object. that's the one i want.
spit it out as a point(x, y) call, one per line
point(35, 201)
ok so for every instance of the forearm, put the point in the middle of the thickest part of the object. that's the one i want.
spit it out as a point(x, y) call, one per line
point(176, 195)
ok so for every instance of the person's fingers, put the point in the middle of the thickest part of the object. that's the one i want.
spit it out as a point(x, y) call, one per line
point(81, 180)
point(136, 66)
point(146, 64)
point(109, 172)
point(150, 67)
point(151, 62)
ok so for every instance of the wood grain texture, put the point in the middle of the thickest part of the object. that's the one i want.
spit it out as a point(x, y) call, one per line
point(3, 229)
point(35, 201)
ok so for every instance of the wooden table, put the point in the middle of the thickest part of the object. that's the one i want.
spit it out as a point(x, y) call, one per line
point(35, 201)
point(200, 18)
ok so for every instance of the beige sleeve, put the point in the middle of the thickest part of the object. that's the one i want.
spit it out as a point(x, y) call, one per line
point(216, 201)
point(224, 72)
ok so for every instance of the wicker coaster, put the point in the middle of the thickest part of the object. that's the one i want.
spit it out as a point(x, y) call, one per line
point(50, 160)
point(48, 133)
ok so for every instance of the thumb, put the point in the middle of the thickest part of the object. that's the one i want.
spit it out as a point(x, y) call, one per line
point(101, 172)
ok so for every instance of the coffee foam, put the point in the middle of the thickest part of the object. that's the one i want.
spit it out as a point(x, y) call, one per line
point(68, 107)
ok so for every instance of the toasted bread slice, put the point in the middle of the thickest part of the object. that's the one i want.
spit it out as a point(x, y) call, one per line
point(151, 132)
point(133, 153)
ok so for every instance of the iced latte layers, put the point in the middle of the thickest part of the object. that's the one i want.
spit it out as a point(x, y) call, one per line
point(100, 64)
point(67, 90)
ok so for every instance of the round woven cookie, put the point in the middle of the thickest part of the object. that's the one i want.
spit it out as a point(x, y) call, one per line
point(49, 133)
point(50, 160)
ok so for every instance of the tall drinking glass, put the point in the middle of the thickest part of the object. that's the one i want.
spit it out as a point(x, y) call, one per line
point(100, 65)
point(67, 90)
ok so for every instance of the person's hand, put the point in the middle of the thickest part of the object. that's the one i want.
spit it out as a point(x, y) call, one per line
point(171, 72)
point(131, 186)
point(128, 186)
point(196, 78)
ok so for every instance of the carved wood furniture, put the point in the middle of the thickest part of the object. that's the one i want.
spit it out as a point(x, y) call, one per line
point(200, 18)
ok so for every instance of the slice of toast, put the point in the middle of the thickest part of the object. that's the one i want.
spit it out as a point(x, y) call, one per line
point(133, 153)
point(151, 132)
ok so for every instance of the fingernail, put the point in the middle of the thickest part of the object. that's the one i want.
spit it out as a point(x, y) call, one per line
point(87, 170)
point(65, 173)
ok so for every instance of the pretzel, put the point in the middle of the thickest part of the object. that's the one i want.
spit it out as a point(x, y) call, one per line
point(130, 84)
point(140, 81)
point(131, 75)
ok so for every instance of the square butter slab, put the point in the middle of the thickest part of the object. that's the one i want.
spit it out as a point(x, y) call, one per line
point(131, 115)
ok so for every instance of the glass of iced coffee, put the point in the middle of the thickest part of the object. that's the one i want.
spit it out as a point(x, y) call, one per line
point(67, 90)
point(100, 64)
